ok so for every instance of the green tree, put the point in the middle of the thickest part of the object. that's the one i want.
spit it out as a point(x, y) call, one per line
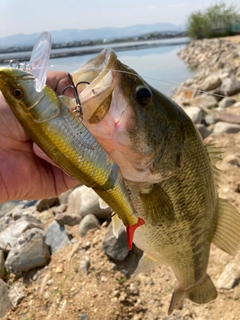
point(212, 22)
point(198, 25)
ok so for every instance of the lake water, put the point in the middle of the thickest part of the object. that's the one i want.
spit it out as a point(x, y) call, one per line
point(159, 66)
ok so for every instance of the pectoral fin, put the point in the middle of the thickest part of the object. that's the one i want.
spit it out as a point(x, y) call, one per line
point(227, 234)
point(157, 204)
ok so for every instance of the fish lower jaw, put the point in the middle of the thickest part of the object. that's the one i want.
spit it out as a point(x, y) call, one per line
point(140, 176)
point(134, 176)
point(136, 172)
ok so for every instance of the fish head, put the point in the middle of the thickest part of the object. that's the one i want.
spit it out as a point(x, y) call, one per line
point(139, 127)
point(14, 84)
point(19, 89)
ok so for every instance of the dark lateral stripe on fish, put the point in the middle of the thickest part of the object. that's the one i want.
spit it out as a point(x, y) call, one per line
point(198, 257)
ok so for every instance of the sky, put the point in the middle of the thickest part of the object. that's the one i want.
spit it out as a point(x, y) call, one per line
point(33, 16)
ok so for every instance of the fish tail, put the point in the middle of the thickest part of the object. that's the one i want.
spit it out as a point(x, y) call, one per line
point(203, 292)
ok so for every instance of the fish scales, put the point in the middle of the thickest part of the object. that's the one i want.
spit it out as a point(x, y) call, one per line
point(180, 231)
point(192, 217)
point(169, 172)
point(69, 127)
point(64, 138)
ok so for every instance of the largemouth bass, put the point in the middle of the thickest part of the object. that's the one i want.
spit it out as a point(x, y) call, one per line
point(169, 171)
point(64, 138)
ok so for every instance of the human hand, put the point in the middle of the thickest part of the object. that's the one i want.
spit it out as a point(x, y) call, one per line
point(25, 171)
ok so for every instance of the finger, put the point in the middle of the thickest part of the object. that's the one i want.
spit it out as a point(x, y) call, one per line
point(58, 81)
point(10, 127)
point(43, 156)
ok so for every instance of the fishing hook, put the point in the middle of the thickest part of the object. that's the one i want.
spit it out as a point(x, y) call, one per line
point(78, 108)
point(112, 214)
point(26, 67)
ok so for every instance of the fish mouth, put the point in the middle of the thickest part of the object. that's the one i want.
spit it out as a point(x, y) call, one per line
point(95, 98)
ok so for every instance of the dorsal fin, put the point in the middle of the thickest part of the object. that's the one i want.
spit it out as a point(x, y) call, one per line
point(227, 233)
point(215, 155)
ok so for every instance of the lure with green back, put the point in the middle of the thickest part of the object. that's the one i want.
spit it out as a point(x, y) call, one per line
point(65, 139)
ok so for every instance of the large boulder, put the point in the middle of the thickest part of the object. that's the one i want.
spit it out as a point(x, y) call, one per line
point(211, 83)
point(83, 201)
point(30, 251)
point(115, 248)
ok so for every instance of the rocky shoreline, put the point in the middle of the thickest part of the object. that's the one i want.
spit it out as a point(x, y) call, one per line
point(214, 91)
point(70, 237)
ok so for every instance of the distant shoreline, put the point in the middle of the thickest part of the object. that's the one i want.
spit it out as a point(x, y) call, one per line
point(78, 51)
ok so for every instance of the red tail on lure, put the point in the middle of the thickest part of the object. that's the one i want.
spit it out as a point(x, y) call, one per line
point(131, 230)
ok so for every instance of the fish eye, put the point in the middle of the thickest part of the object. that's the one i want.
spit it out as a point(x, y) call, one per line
point(143, 95)
point(18, 93)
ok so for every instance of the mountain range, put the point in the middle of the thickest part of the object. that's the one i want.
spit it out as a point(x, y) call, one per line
point(70, 35)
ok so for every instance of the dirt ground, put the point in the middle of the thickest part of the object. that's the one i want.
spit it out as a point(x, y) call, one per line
point(62, 291)
point(233, 39)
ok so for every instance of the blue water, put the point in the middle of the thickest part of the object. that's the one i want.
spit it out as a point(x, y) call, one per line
point(159, 66)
